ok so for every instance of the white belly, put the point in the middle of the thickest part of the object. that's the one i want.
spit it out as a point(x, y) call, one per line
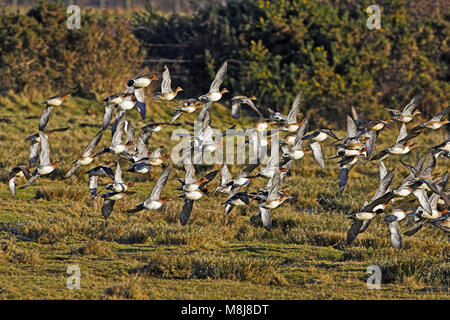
point(268, 173)
point(153, 205)
point(398, 150)
point(400, 214)
point(54, 102)
point(188, 109)
point(290, 140)
point(127, 105)
point(141, 82)
point(155, 162)
point(215, 96)
point(378, 126)
point(446, 147)
point(261, 126)
point(116, 196)
point(86, 160)
point(190, 187)
point(406, 119)
point(320, 137)
point(290, 127)
point(119, 187)
point(240, 181)
point(364, 216)
point(297, 154)
point(116, 100)
point(45, 170)
point(238, 202)
point(272, 204)
point(194, 195)
point(404, 192)
point(435, 214)
point(118, 148)
point(348, 152)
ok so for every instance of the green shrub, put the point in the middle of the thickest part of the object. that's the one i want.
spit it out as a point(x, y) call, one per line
point(39, 51)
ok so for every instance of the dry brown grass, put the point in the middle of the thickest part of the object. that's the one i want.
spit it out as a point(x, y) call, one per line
point(54, 223)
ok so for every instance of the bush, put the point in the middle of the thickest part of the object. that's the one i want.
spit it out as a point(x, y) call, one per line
point(39, 51)
point(324, 48)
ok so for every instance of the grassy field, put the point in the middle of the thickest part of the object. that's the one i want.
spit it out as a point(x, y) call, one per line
point(149, 255)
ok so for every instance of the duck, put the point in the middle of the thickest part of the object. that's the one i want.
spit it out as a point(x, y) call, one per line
point(45, 166)
point(296, 151)
point(225, 186)
point(20, 171)
point(155, 159)
point(378, 125)
point(136, 86)
point(49, 104)
point(190, 184)
point(272, 166)
point(276, 116)
point(236, 103)
point(401, 146)
point(189, 198)
point(315, 138)
point(409, 112)
point(273, 200)
point(291, 124)
point(110, 199)
point(154, 202)
point(157, 126)
point(393, 219)
point(87, 156)
point(166, 93)
point(243, 179)
point(443, 222)
point(443, 146)
point(362, 217)
point(117, 146)
point(119, 185)
point(35, 146)
point(187, 106)
point(103, 170)
point(112, 103)
point(215, 94)
point(435, 122)
point(346, 164)
point(237, 199)
point(421, 217)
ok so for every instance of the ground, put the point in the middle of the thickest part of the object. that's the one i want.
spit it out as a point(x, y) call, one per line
point(54, 224)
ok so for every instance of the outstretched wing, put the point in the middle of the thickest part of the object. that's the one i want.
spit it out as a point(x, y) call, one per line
point(186, 211)
point(160, 184)
point(292, 116)
point(93, 144)
point(45, 117)
point(44, 159)
point(166, 81)
point(266, 218)
point(220, 75)
point(109, 111)
point(317, 152)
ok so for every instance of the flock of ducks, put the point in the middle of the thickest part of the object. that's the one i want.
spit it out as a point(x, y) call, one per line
point(357, 147)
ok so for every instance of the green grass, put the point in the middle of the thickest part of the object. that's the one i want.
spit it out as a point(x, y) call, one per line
point(149, 255)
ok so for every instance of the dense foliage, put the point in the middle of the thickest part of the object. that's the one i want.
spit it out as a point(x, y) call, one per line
point(324, 48)
point(39, 51)
point(274, 48)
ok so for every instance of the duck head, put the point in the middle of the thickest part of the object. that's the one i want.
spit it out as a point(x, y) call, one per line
point(165, 199)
